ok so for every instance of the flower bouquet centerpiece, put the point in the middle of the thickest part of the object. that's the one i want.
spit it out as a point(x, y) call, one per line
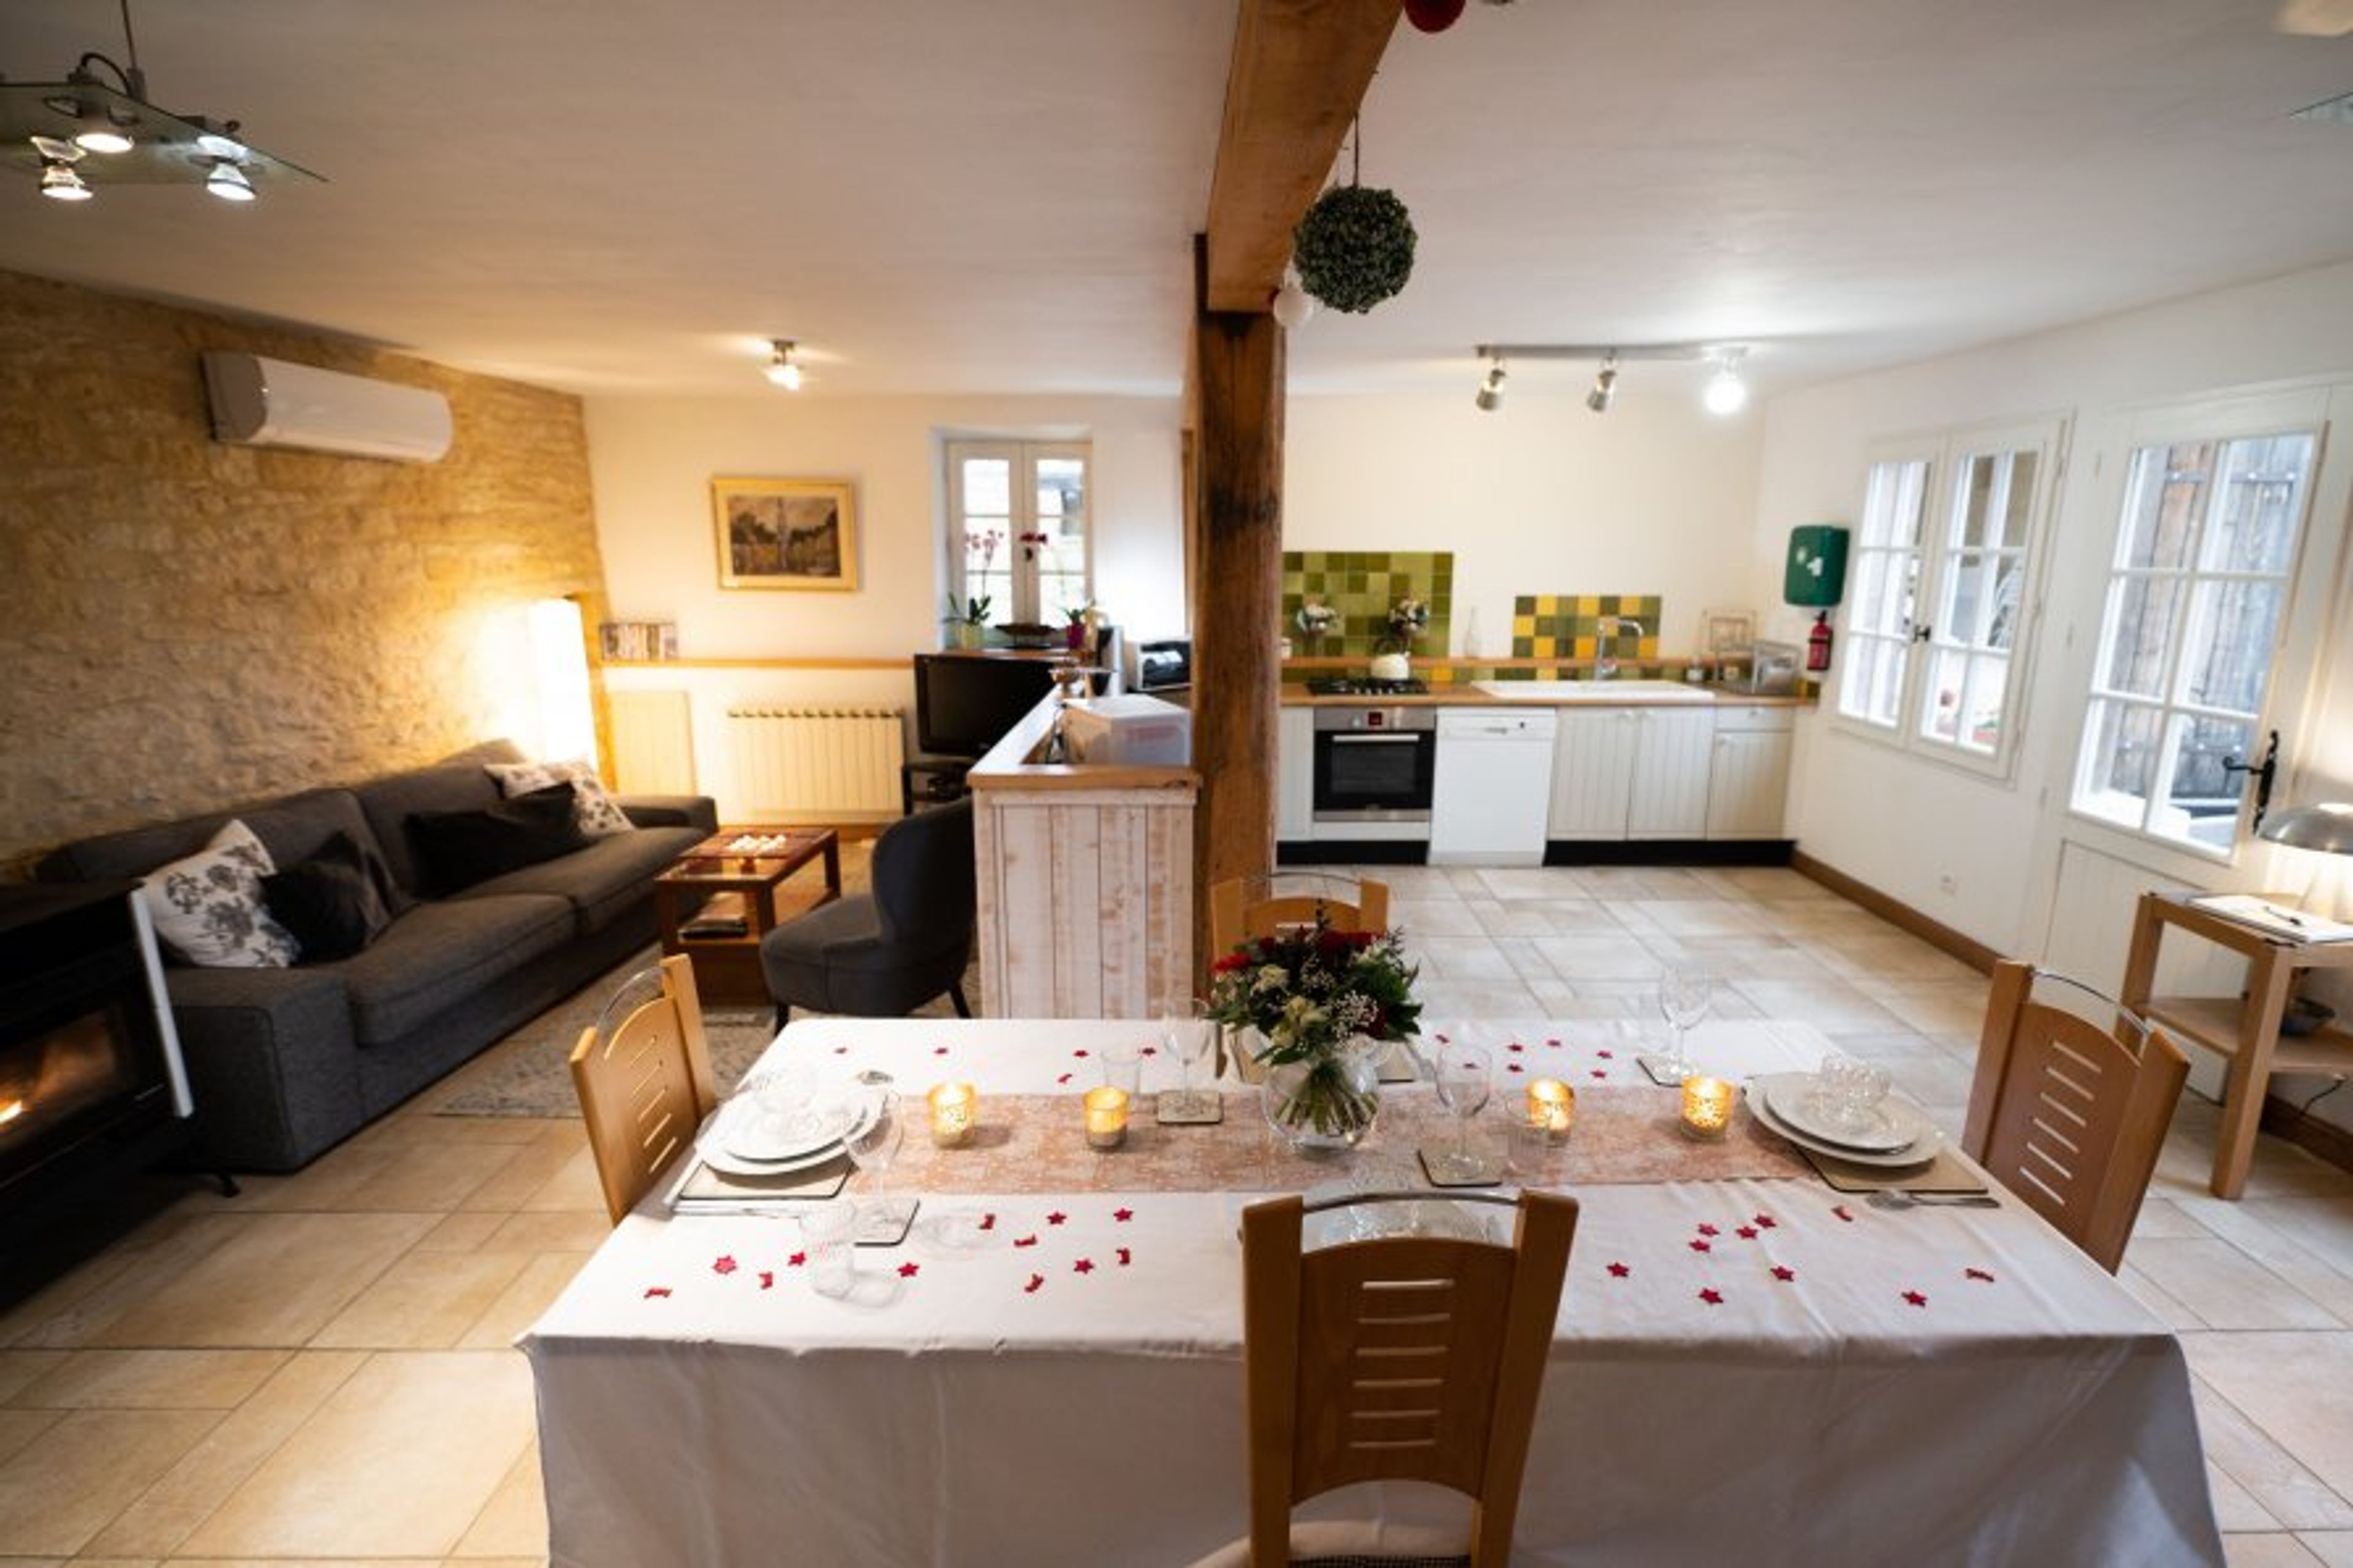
point(1323, 1001)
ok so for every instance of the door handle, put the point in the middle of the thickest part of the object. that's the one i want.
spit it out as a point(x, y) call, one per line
point(1374, 740)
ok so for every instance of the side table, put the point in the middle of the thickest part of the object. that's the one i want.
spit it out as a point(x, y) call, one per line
point(752, 864)
point(2245, 1030)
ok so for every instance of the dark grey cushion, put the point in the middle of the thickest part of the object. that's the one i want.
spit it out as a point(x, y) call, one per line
point(604, 879)
point(696, 811)
point(457, 849)
point(292, 828)
point(458, 783)
point(439, 953)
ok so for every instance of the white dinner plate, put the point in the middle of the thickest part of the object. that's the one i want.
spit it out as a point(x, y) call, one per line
point(1894, 1123)
point(1919, 1152)
point(757, 1133)
point(1370, 1222)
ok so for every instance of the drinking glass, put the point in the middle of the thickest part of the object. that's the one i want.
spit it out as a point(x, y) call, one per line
point(829, 1235)
point(1185, 1035)
point(872, 1147)
point(1683, 1002)
point(1466, 1077)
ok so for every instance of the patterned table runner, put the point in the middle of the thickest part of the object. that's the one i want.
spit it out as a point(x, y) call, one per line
point(1037, 1144)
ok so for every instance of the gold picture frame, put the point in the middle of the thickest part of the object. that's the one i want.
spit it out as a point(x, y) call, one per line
point(786, 533)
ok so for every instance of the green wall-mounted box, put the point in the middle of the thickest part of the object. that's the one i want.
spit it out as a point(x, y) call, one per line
point(1815, 574)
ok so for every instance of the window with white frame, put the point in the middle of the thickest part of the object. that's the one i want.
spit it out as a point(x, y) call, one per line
point(2197, 595)
point(1936, 619)
point(1018, 534)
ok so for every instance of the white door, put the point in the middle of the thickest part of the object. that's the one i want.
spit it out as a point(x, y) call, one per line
point(1748, 784)
point(1672, 749)
point(1592, 772)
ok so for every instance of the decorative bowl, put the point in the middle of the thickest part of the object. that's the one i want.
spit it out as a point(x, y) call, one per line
point(1029, 634)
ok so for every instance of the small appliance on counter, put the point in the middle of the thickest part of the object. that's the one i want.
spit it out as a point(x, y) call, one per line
point(1772, 670)
point(1164, 666)
point(1132, 730)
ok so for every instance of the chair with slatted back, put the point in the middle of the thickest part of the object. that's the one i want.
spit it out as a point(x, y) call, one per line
point(1243, 908)
point(643, 1075)
point(1407, 1358)
point(2067, 1114)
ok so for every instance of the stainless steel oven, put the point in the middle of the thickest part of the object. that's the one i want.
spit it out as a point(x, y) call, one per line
point(1374, 766)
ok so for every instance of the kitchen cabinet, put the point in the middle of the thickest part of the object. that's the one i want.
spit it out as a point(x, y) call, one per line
point(1749, 779)
point(1631, 773)
point(1294, 777)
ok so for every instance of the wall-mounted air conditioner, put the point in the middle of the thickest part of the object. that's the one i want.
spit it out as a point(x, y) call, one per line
point(260, 402)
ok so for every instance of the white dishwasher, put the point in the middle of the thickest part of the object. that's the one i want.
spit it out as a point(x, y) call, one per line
point(1493, 787)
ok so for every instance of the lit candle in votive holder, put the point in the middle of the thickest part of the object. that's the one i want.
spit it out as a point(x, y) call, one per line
point(955, 1108)
point(1552, 1107)
point(1707, 1107)
point(1106, 1118)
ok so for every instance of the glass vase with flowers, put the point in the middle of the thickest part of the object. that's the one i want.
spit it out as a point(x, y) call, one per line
point(1320, 1003)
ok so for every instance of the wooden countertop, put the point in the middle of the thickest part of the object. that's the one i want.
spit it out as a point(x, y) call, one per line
point(1296, 695)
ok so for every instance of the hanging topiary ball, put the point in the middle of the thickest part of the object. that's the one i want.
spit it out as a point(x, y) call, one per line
point(1354, 249)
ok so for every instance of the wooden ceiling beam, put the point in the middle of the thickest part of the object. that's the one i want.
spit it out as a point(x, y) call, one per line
point(1301, 68)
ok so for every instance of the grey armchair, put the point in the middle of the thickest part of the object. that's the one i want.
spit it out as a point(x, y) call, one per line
point(885, 954)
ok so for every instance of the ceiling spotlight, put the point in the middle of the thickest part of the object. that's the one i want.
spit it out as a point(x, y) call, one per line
point(60, 182)
point(1726, 393)
point(782, 371)
point(1294, 306)
point(100, 131)
point(1605, 385)
point(1491, 391)
point(228, 182)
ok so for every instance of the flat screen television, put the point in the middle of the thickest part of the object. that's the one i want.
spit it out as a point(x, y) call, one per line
point(965, 705)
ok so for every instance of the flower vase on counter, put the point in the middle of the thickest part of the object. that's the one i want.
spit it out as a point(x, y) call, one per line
point(1408, 618)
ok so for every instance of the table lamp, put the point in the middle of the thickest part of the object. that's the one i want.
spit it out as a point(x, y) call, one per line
point(2325, 830)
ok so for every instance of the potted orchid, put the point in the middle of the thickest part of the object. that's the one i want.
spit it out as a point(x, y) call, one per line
point(1318, 1005)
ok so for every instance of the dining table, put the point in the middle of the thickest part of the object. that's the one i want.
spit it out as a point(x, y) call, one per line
point(1748, 1364)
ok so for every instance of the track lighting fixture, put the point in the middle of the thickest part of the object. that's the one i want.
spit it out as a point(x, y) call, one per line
point(781, 370)
point(128, 139)
point(1726, 393)
point(1491, 391)
point(1605, 385)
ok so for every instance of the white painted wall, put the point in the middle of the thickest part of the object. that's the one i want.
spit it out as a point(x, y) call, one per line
point(1540, 496)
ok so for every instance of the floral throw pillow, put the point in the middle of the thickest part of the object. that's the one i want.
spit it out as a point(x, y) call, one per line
point(208, 909)
point(594, 812)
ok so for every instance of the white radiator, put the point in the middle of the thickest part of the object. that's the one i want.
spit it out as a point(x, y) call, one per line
point(817, 764)
point(653, 742)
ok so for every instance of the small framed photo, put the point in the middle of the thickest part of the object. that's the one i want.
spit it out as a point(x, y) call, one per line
point(1728, 634)
point(786, 533)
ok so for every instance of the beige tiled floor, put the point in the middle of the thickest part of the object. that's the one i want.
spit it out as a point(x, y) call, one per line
point(317, 1371)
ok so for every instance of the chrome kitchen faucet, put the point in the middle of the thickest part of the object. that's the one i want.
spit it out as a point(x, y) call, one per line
point(1606, 629)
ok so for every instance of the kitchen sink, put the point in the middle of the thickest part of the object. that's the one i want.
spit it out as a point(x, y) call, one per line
point(1593, 690)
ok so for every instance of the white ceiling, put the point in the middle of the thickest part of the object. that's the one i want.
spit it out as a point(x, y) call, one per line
point(998, 195)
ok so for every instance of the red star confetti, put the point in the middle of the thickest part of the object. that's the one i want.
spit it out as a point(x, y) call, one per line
point(1600, 1072)
point(1036, 1282)
point(1842, 1212)
point(767, 1279)
point(1125, 1258)
point(1057, 1218)
point(1707, 1229)
point(1766, 1221)
point(654, 1290)
point(1746, 1233)
point(1977, 1274)
point(1122, 1216)
point(1513, 1067)
point(939, 1050)
point(1024, 1241)
point(1439, 1038)
point(723, 1265)
point(909, 1270)
point(988, 1221)
point(797, 1260)
point(1711, 1296)
point(1152, 1050)
point(1916, 1299)
point(1516, 1047)
point(1618, 1271)
point(1784, 1273)
point(1605, 1056)
point(841, 1050)
point(1556, 1046)
point(1083, 1266)
point(1082, 1051)
point(1700, 1245)
point(1064, 1078)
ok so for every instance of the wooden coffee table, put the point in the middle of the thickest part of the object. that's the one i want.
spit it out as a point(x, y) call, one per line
point(744, 870)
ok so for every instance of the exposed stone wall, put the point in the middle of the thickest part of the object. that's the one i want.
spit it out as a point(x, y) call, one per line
point(185, 625)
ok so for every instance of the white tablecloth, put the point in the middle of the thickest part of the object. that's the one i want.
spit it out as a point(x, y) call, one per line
point(1755, 1371)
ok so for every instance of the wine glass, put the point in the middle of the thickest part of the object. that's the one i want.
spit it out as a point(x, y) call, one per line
point(1683, 1002)
point(1466, 1077)
point(1185, 1035)
point(873, 1143)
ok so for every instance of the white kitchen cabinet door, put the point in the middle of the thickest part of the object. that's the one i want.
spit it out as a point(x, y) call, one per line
point(1749, 784)
point(1673, 751)
point(1294, 776)
point(1592, 772)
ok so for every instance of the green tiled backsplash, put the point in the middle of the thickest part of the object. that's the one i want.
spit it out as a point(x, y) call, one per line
point(1362, 585)
point(1565, 626)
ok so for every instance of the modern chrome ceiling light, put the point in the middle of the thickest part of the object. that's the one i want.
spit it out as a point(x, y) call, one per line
point(1605, 385)
point(1491, 391)
point(782, 372)
point(88, 131)
point(1726, 393)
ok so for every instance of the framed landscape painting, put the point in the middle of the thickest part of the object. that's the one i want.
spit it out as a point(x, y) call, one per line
point(786, 533)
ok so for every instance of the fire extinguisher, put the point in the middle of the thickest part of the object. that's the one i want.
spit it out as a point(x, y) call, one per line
point(1818, 642)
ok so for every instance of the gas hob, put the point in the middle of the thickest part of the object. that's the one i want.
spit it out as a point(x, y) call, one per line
point(1363, 686)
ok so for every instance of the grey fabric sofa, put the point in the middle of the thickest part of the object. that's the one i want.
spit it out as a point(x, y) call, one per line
point(286, 1063)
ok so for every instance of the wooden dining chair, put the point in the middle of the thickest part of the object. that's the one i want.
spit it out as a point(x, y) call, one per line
point(1244, 908)
point(1411, 1358)
point(2065, 1111)
point(645, 1083)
